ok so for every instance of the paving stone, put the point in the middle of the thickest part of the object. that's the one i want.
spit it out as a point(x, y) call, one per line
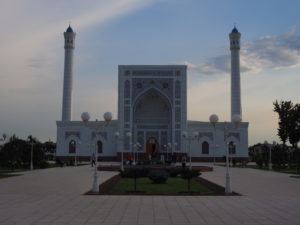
point(55, 197)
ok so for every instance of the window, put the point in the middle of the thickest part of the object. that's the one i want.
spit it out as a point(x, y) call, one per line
point(205, 148)
point(231, 148)
point(99, 147)
point(72, 146)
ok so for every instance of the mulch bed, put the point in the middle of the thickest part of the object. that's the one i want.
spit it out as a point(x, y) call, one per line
point(107, 186)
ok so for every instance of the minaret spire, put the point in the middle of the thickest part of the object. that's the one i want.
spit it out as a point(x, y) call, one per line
point(236, 107)
point(68, 74)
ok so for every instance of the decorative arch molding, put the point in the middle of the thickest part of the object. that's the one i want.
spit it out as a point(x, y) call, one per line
point(100, 138)
point(207, 135)
point(102, 135)
point(148, 90)
point(232, 138)
point(72, 133)
point(235, 135)
point(207, 139)
point(72, 137)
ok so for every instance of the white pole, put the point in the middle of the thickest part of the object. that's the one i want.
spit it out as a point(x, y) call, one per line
point(31, 156)
point(76, 155)
point(122, 160)
point(270, 159)
point(228, 189)
point(189, 139)
point(95, 180)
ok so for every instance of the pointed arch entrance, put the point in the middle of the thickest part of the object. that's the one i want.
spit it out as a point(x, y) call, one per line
point(152, 121)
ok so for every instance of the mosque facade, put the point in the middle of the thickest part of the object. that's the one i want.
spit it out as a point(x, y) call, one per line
point(152, 116)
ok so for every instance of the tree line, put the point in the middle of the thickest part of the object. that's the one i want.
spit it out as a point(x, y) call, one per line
point(15, 153)
point(288, 131)
point(289, 122)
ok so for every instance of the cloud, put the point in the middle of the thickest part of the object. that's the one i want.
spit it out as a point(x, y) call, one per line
point(31, 56)
point(272, 51)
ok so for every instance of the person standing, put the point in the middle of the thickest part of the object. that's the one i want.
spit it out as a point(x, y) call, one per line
point(93, 160)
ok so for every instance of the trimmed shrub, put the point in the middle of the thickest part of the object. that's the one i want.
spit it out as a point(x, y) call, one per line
point(44, 164)
point(189, 174)
point(174, 172)
point(134, 172)
point(259, 159)
point(158, 176)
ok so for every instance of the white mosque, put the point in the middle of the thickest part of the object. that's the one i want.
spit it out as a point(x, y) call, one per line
point(152, 116)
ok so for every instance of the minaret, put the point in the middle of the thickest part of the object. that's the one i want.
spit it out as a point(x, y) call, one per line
point(68, 74)
point(236, 107)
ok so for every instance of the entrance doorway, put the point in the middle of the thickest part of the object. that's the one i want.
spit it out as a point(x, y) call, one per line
point(152, 147)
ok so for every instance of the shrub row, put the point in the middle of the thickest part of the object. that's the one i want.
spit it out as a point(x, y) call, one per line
point(159, 176)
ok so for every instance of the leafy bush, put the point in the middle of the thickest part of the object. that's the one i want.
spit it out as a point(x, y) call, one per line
point(134, 172)
point(259, 160)
point(189, 174)
point(174, 172)
point(158, 176)
point(44, 164)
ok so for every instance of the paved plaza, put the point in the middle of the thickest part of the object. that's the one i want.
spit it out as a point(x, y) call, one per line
point(55, 197)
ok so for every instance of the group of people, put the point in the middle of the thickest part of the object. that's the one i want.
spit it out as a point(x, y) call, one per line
point(129, 161)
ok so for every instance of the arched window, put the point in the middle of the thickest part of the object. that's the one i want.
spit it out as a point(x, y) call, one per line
point(231, 148)
point(205, 148)
point(99, 147)
point(72, 146)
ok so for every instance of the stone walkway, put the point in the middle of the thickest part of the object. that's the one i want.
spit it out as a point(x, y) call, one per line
point(55, 197)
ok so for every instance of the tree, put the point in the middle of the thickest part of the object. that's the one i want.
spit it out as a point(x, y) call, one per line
point(294, 126)
point(283, 108)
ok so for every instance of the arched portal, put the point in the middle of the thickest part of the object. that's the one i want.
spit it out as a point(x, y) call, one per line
point(152, 108)
point(152, 120)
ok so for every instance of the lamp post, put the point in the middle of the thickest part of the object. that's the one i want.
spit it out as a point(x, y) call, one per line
point(30, 139)
point(79, 143)
point(85, 116)
point(213, 119)
point(122, 138)
point(171, 146)
point(230, 149)
point(137, 146)
point(270, 153)
point(236, 119)
point(189, 137)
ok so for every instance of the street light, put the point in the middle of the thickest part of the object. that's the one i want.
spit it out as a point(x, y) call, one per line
point(213, 119)
point(30, 138)
point(79, 143)
point(189, 137)
point(236, 119)
point(121, 138)
point(137, 146)
point(270, 153)
point(85, 116)
point(171, 146)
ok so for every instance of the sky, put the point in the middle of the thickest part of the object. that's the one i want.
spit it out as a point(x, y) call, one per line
point(119, 32)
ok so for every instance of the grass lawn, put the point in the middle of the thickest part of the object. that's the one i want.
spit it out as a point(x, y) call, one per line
point(171, 187)
point(8, 173)
point(282, 170)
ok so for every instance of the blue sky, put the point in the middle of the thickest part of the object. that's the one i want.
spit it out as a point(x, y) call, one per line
point(113, 32)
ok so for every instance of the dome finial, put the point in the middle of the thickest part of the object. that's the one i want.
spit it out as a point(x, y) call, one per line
point(69, 29)
point(234, 30)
